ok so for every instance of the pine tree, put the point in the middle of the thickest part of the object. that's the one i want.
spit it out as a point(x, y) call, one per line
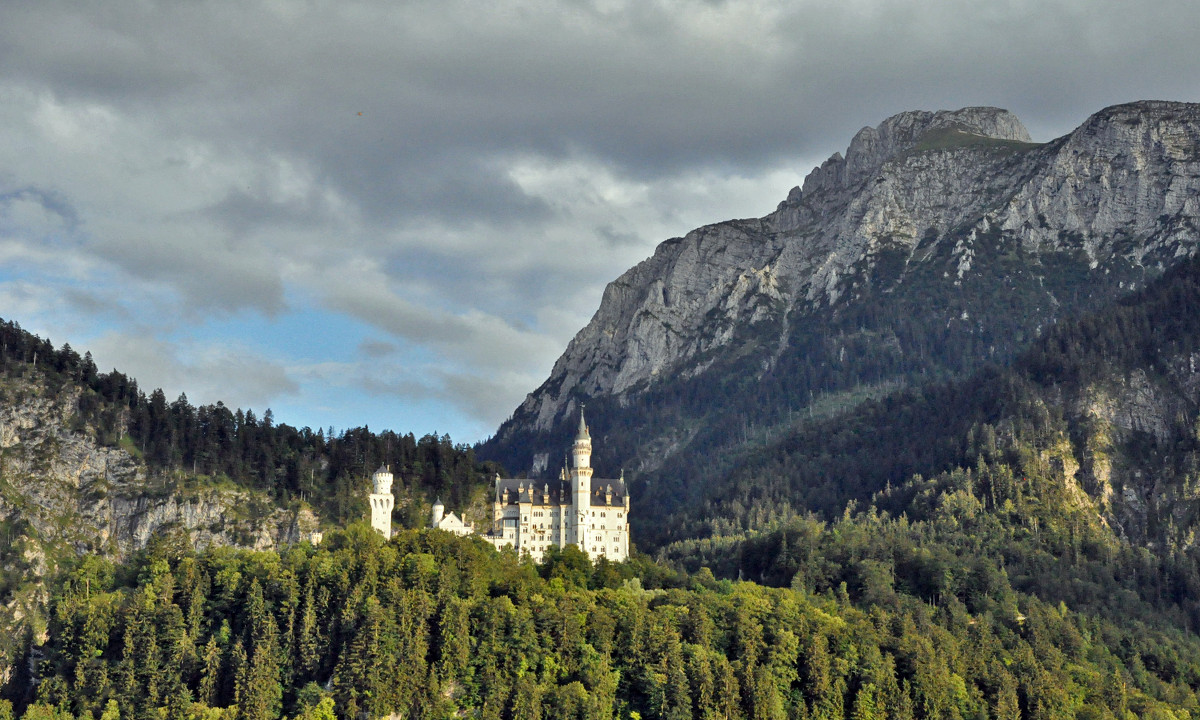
point(210, 674)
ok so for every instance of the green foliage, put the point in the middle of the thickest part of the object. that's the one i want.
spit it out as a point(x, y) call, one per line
point(1020, 422)
point(430, 625)
point(925, 545)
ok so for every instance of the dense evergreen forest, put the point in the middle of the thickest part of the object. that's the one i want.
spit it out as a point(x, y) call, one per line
point(330, 471)
point(1017, 414)
point(429, 625)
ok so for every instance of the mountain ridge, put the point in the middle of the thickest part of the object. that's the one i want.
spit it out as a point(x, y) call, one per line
point(959, 200)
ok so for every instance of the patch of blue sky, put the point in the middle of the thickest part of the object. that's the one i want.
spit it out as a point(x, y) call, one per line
point(350, 405)
point(311, 334)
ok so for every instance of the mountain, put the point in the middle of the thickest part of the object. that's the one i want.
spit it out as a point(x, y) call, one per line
point(940, 243)
point(945, 400)
point(997, 587)
point(1101, 414)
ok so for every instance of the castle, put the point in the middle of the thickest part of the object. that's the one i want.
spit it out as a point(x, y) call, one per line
point(577, 509)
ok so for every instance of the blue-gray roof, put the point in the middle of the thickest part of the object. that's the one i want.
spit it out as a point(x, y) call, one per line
point(551, 492)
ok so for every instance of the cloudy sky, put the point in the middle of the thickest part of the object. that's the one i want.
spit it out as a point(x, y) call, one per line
point(397, 213)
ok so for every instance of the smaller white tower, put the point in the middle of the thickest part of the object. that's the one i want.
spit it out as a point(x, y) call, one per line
point(439, 512)
point(382, 501)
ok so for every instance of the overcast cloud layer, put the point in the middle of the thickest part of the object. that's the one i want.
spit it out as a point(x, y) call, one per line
point(398, 213)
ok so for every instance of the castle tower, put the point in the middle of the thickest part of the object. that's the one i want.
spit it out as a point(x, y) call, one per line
point(439, 512)
point(382, 501)
point(582, 449)
point(581, 483)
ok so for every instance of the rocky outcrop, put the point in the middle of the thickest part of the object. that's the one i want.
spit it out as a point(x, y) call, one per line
point(871, 148)
point(1125, 182)
point(1122, 191)
point(77, 495)
point(63, 495)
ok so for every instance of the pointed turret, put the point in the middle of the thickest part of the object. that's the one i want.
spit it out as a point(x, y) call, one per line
point(582, 449)
point(583, 429)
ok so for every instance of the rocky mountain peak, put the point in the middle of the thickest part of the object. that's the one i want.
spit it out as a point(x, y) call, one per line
point(934, 229)
point(871, 147)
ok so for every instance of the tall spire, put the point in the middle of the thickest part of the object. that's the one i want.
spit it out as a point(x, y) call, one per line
point(583, 430)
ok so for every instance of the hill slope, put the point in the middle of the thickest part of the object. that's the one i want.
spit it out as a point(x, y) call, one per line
point(91, 464)
point(1104, 409)
point(430, 626)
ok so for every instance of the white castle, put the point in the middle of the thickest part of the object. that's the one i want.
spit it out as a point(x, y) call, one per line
point(577, 509)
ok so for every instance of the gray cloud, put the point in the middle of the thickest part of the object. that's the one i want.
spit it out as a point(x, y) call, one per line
point(36, 211)
point(464, 177)
point(477, 396)
point(447, 89)
point(376, 349)
point(208, 275)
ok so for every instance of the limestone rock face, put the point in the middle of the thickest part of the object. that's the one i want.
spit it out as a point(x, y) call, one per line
point(1121, 190)
point(63, 495)
point(78, 496)
point(1124, 182)
point(871, 148)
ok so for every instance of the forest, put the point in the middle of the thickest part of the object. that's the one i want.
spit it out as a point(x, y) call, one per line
point(899, 324)
point(429, 625)
point(1014, 414)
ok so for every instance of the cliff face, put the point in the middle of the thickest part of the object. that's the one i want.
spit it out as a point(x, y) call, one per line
point(76, 494)
point(961, 202)
point(1133, 436)
point(63, 495)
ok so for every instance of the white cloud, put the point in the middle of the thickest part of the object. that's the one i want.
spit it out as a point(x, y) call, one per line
point(237, 376)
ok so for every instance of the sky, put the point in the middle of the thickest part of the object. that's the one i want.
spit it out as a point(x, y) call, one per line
point(396, 213)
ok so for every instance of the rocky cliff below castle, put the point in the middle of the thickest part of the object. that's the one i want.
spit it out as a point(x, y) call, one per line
point(74, 493)
point(64, 495)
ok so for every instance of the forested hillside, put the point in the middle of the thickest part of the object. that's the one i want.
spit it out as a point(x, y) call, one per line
point(1110, 403)
point(429, 625)
point(923, 443)
point(91, 464)
point(326, 469)
point(1019, 544)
